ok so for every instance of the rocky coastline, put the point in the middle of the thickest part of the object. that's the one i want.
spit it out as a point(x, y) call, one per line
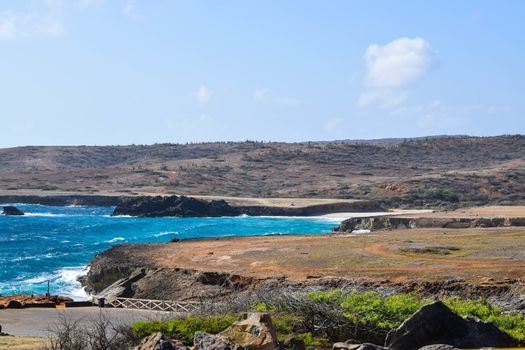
point(182, 206)
point(162, 206)
point(376, 223)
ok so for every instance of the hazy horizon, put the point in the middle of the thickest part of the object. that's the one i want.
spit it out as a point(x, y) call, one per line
point(370, 140)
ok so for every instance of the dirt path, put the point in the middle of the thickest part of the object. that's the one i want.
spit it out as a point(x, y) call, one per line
point(38, 322)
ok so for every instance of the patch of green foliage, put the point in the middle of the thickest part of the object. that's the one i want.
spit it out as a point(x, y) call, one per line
point(185, 328)
point(443, 194)
point(372, 314)
point(311, 342)
point(369, 317)
point(377, 314)
point(512, 323)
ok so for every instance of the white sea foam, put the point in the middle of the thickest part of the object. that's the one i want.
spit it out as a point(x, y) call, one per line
point(166, 233)
point(67, 279)
point(116, 239)
point(361, 231)
point(48, 215)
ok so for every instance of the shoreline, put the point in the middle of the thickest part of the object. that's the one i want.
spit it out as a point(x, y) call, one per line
point(332, 217)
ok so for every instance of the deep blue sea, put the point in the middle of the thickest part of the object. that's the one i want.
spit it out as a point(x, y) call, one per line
point(56, 243)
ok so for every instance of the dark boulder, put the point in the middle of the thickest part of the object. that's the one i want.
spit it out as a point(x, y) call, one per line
point(12, 211)
point(14, 304)
point(293, 344)
point(177, 206)
point(439, 347)
point(437, 324)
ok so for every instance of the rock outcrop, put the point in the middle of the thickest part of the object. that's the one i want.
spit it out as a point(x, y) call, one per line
point(12, 211)
point(176, 206)
point(159, 341)
point(205, 341)
point(252, 331)
point(437, 324)
point(394, 223)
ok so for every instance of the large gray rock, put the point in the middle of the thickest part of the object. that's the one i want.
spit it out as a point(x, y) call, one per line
point(159, 341)
point(253, 331)
point(437, 324)
point(205, 341)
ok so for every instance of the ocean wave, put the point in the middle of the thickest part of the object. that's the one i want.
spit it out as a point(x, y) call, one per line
point(48, 215)
point(166, 233)
point(116, 239)
point(67, 281)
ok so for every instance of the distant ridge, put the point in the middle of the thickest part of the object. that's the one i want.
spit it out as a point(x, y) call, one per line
point(431, 171)
point(392, 140)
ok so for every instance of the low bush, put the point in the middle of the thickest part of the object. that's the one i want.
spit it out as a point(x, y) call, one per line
point(185, 328)
point(512, 323)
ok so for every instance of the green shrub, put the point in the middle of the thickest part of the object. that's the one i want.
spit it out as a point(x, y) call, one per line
point(443, 194)
point(512, 323)
point(311, 342)
point(185, 328)
point(374, 315)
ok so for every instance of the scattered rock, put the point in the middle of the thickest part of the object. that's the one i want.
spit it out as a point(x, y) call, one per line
point(437, 324)
point(345, 346)
point(12, 211)
point(157, 341)
point(253, 331)
point(368, 346)
point(205, 341)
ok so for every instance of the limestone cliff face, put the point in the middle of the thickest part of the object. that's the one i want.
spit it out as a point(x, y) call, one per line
point(123, 271)
point(395, 223)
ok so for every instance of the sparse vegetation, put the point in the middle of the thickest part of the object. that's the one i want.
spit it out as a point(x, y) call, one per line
point(323, 317)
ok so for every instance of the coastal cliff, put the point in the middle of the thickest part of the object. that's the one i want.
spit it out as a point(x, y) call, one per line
point(396, 223)
point(440, 260)
point(182, 206)
point(176, 206)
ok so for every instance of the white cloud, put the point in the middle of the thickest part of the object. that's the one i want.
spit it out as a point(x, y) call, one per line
point(260, 94)
point(203, 94)
point(7, 26)
point(392, 68)
point(24, 25)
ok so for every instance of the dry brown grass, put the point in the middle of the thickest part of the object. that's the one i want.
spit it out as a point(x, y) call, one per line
point(494, 252)
point(21, 343)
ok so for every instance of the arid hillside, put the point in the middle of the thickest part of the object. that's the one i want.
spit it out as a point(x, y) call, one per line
point(444, 171)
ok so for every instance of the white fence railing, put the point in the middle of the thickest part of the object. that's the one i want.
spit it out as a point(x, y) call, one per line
point(148, 304)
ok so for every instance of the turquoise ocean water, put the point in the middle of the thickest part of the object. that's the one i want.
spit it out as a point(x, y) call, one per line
point(56, 243)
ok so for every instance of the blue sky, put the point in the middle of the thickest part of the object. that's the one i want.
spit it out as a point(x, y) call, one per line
point(124, 71)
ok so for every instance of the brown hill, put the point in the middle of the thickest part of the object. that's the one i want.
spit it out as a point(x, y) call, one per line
point(444, 171)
